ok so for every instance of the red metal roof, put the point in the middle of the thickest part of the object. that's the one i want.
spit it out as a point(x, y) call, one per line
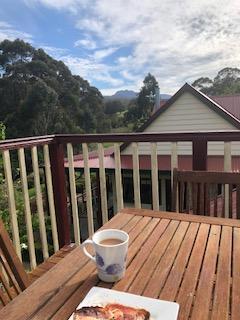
point(230, 102)
point(215, 163)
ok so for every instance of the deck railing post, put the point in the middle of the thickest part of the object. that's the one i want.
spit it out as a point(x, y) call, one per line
point(199, 158)
point(60, 195)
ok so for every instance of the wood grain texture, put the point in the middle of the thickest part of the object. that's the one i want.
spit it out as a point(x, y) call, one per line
point(103, 186)
point(204, 290)
point(187, 290)
point(73, 194)
point(118, 176)
point(175, 276)
point(236, 275)
point(51, 204)
point(39, 201)
point(137, 263)
point(150, 264)
point(27, 208)
point(183, 217)
point(190, 262)
point(56, 152)
point(160, 274)
point(154, 175)
point(13, 278)
point(88, 188)
point(11, 201)
point(136, 176)
point(221, 303)
point(219, 202)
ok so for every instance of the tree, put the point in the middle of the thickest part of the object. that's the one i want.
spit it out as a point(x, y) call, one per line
point(227, 81)
point(146, 96)
point(39, 95)
point(2, 131)
point(113, 106)
point(202, 83)
point(139, 110)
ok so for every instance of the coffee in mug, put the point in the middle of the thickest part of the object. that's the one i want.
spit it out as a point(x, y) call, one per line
point(110, 242)
point(110, 247)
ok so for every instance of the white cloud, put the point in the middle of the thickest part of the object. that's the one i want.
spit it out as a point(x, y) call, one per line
point(85, 43)
point(70, 5)
point(177, 41)
point(103, 53)
point(111, 91)
point(91, 70)
point(4, 24)
point(8, 31)
point(54, 51)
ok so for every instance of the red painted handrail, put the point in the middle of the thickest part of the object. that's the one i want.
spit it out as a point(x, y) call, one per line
point(56, 143)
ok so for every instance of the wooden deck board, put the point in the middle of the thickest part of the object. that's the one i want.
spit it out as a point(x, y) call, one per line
point(174, 279)
point(236, 275)
point(48, 264)
point(193, 263)
point(139, 261)
point(221, 301)
point(187, 290)
point(145, 272)
point(160, 274)
point(183, 217)
point(206, 280)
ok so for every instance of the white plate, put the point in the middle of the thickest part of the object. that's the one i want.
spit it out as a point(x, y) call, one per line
point(159, 309)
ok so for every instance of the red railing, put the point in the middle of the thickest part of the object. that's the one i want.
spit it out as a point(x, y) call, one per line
point(56, 144)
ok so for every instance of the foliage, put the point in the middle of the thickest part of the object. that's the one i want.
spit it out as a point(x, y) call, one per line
point(39, 95)
point(226, 82)
point(114, 106)
point(140, 109)
point(4, 209)
point(2, 131)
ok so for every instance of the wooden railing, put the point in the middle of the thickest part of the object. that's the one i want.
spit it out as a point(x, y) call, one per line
point(52, 194)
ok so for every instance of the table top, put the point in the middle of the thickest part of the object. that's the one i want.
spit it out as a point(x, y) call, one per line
point(193, 260)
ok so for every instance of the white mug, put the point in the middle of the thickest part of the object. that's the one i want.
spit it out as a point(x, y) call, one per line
point(110, 259)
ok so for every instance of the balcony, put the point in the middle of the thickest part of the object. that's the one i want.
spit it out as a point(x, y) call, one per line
point(58, 190)
point(47, 211)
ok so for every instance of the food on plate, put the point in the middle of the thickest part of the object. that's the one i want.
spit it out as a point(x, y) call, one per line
point(112, 311)
point(91, 313)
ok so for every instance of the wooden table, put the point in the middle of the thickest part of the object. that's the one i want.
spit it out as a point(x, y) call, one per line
point(193, 260)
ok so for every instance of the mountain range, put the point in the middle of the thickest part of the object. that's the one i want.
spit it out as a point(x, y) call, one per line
point(129, 95)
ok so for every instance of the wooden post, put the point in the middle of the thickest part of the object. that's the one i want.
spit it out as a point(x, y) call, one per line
point(199, 158)
point(154, 175)
point(60, 194)
point(99, 207)
point(227, 168)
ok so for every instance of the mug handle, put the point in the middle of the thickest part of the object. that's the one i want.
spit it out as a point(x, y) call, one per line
point(85, 250)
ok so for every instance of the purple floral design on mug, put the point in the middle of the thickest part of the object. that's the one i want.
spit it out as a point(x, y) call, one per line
point(99, 260)
point(114, 269)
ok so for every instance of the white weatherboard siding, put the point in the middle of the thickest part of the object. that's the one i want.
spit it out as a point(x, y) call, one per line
point(187, 113)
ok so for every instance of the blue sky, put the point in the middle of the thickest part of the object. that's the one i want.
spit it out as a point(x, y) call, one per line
point(114, 43)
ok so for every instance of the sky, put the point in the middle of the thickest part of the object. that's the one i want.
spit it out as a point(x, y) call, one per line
point(114, 43)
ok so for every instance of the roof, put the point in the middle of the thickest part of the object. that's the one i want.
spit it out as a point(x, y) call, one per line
point(231, 103)
point(212, 104)
point(226, 106)
point(92, 154)
point(215, 163)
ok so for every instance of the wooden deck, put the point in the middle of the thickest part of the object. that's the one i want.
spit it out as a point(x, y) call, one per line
point(193, 260)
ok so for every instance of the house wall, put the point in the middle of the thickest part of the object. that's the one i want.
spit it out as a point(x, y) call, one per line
point(187, 114)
